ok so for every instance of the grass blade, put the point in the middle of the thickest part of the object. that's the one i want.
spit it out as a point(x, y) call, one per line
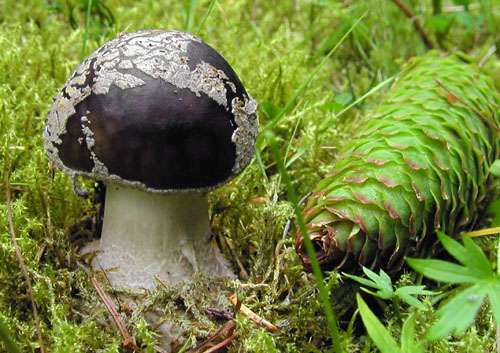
point(191, 9)
point(292, 196)
point(207, 13)
point(306, 82)
point(370, 92)
point(86, 33)
point(378, 333)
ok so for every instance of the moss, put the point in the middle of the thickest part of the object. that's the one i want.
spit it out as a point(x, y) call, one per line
point(273, 48)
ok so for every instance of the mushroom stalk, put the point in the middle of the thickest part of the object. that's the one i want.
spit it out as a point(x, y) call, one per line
point(148, 234)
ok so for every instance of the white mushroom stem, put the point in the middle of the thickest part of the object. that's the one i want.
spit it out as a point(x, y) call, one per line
point(147, 234)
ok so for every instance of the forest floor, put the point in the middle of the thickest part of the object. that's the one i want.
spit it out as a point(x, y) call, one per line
point(313, 104)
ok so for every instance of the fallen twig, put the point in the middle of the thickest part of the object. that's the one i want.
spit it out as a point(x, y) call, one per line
point(24, 270)
point(227, 327)
point(251, 315)
point(162, 282)
point(127, 341)
point(159, 349)
point(482, 232)
point(409, 13)
point(221, 344)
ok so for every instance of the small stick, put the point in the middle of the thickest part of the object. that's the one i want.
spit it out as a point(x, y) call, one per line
point(481, 116)
point(24, 270)
point(127, 341)
point(162, 282)
point(409, 13)
point(227, 327)
point(221, 344)
point(251, 315)
point(120, 305)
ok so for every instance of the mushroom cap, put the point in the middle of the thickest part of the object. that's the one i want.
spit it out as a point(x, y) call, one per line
point(156, 110)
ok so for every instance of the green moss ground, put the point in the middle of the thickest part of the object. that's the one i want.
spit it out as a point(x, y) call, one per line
point(273, 46)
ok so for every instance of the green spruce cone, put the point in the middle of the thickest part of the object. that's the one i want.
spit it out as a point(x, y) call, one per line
point(419, 165)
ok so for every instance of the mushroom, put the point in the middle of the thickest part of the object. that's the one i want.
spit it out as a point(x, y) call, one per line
point(160, 118)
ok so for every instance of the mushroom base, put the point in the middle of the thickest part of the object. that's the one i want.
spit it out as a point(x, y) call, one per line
point(147, 234)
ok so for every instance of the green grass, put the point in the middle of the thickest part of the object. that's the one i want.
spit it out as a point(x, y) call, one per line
point(274, 47)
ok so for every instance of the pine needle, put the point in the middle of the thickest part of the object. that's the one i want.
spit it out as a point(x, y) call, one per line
point(482, 232)
point(127, 341)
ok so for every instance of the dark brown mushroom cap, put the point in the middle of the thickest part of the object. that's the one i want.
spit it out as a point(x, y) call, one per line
point(156, 110)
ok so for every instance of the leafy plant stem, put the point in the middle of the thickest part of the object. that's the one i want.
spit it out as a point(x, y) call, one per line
point(419, 279)
point(86, 33)
point(477, 280)
point(396, 303)
point(292, 196)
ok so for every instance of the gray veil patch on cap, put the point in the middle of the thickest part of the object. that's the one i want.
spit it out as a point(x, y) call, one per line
point(245, 135)
point(161, 55)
